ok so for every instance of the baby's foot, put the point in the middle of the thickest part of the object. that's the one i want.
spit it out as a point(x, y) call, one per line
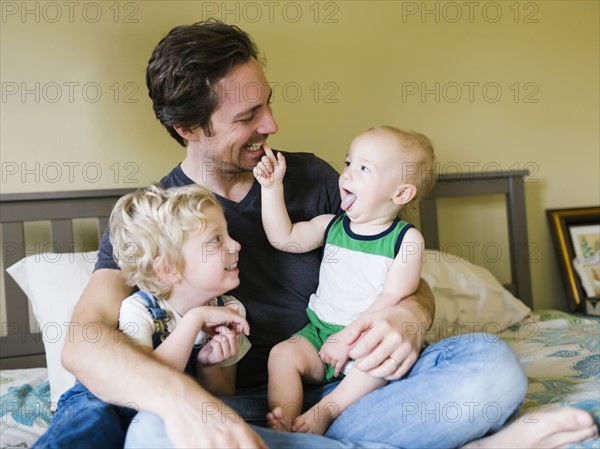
point(544, 429)
point(316, 420)
point(277, 420)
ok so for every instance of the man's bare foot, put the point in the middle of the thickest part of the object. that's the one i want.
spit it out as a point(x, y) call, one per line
point(542, 429)
point(277, 420)
point(316, 420)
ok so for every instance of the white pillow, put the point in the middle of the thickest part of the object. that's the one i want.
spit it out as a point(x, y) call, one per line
point(468, 298)
point(53, 283)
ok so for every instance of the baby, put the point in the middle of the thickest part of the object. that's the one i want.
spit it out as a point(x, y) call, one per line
point(372, 260)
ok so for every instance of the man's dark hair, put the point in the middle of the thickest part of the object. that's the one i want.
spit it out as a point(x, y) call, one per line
point(184, 67)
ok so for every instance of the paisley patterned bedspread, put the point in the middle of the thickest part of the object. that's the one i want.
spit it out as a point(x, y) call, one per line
point(561, 356)
point(24, 406)
point(560, 353)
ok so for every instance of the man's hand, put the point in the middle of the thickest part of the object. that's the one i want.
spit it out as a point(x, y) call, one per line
point(207, 422)
point(386, 343)
point(270, 170)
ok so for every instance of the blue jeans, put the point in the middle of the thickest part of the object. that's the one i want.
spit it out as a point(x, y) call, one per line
point(83, 421)
point(459, 390)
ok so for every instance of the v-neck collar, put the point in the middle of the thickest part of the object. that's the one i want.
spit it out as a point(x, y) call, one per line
point(245, 202)
point(226, 202)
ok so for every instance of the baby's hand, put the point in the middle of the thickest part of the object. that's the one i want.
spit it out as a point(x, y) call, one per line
point(270, 170)
point(334, 352)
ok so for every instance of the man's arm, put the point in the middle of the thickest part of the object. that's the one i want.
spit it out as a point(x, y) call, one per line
point(397, 332)
point(121, 373)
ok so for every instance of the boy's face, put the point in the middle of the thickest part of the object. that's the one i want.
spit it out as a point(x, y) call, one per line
point(211, 258)
point(374, 173)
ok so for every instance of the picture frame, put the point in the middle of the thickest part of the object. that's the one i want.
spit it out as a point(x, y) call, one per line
point(576, 239)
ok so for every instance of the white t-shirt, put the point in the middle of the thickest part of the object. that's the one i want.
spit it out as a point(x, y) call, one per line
point(136, 322)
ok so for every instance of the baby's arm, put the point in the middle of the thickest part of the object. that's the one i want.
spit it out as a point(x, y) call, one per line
point(401, 281)
point(298, 237)
point(404, 274)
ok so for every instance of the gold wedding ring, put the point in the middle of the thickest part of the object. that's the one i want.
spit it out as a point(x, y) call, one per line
point(393, 360)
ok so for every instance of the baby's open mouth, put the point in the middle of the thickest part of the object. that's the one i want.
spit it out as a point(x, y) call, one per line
point(348, 200)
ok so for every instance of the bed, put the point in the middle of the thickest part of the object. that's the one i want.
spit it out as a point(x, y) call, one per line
point(48, 247)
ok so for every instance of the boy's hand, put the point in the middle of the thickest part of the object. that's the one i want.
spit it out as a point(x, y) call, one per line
point(228, 316)
point(335, 351)
point(224, 324)
point(270, 170)
point(224, 344)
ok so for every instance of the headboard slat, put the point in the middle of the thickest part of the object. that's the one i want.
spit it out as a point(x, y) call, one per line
point(62, 236)
point(519, 248)
point(102, 226)
point(13, 250)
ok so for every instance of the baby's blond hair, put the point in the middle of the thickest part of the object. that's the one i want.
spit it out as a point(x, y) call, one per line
point(155, 222)
point(419, 169)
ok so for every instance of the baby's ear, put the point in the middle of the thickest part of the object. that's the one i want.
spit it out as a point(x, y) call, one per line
point(404, 194)
point(165, 270)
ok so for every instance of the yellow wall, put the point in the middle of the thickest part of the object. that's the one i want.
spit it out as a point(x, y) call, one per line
point(496, 85)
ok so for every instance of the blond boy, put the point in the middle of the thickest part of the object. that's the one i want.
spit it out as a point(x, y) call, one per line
point(174, 245)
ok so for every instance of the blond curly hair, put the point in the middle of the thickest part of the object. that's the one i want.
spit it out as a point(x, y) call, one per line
point(155, 223)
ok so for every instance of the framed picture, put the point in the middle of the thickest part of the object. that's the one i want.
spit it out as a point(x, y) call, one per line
point(576, 237)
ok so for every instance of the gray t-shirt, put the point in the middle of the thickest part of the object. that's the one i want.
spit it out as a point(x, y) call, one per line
point(274, 285)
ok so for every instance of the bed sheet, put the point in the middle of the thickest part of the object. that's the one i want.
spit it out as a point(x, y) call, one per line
point(24, 406)
point(560, 354)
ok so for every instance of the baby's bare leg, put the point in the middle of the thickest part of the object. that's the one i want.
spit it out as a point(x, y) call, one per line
point(290, 362)
point(542, 429)
point(353, 387)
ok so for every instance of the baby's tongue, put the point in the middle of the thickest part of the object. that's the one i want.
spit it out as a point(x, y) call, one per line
point(348, 201)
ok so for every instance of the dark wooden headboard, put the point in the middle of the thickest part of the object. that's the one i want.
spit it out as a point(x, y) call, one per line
point(25, 348)
point(511, 184)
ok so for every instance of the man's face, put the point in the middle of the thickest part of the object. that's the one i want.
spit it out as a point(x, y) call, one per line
point(241, 123)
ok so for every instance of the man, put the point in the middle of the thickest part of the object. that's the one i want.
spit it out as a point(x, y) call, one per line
point(210, 92)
